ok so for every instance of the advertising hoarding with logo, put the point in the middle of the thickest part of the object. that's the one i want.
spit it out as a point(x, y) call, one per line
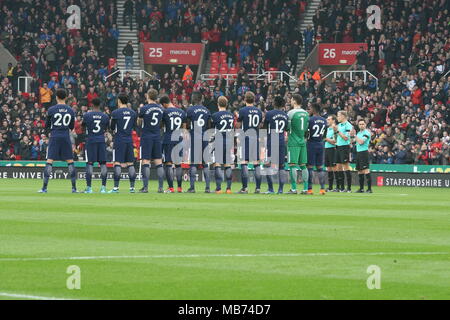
point(336, 54)
point(172, 53)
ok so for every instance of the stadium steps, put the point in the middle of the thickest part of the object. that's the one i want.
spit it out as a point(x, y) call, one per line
point(125, 36)
point(305, 21)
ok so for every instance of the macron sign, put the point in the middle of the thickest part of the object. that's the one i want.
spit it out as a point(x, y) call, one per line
point(336, 54)
point(172, 53)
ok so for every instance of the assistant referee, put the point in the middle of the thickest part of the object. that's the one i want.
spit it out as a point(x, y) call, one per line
point(362, 139)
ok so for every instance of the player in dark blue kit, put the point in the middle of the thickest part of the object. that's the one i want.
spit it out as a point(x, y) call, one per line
point(316, 147)
point(276, 122)
point(60, 121)
point(173, 119)
point(123, 121)
point(223, 123)
point(150, 119)
point(198, 117)
point(96, 123)
point(250, 119)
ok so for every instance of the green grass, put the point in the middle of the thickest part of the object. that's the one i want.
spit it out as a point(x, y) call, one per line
point(389, 228)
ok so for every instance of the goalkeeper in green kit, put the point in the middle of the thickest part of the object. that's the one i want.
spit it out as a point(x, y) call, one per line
point(297, 151)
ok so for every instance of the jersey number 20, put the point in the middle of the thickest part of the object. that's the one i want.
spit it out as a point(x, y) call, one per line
point(62, 120)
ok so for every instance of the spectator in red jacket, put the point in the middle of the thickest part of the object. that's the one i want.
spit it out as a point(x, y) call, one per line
point(91, 96)
point(416, 96)
point(156, 14)
point(144, 34)
point(214, 38)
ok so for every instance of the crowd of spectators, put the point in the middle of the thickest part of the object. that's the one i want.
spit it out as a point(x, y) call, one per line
point(241, 28)
point(35, 32)
point(407, 108)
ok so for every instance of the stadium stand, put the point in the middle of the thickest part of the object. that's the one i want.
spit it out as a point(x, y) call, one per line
point(409, 111)
point(407, 106)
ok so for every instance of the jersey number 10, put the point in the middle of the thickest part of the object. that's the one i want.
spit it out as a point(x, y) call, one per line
point(253, 120)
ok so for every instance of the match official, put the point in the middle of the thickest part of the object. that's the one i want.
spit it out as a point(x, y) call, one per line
point(362, 139)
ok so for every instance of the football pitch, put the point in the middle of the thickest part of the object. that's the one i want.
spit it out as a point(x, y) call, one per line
point(208, 246)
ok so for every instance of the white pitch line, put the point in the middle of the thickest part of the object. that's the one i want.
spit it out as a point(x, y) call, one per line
point(238, 255)
point(30, 297)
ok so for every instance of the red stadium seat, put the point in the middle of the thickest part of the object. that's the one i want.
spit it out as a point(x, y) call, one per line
point(223, 69)
point(215, 62)
point(214, 55)
point(214, 70)
point(233, 70)
point(223, 55)
point(223, 60)
point(272, 76)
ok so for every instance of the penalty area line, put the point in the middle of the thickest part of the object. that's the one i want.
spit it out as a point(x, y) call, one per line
point(29, 297)
point(237, 255)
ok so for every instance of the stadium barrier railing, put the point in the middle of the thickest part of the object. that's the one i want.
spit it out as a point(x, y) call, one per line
point(351, 73)
point(141, 74)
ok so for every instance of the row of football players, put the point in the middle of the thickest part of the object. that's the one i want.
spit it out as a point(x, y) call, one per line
point(311, 140)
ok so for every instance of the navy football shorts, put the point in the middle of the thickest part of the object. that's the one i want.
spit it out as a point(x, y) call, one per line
point(151, 148)
point(60, 149)
point(168, 148)
point(196, 151)
point(249, 152)
point(316, 154)
point(95, 152)
point(123, 152)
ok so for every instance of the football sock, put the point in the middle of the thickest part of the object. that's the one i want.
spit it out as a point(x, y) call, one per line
point(348, 174)
point(179, 175)
point(269, 178)
point(229, 176)
point(218, 176)
point(258, 177)
point(89, 171)
point(293, 177)
point(369, 181)
point(305, 177)
point(73, 175)
point(330, 179)
point(47, 173)
point(207, 176)
point(361, 181)
point(103, 173)
point(281, 179)
point(132, 175)
point(321, 175)
point(169, 175)
point(340, 178)
point(145, 175)
point(244, 176)
point(192, 175)
point(117, 173)
point(160, 174)
point(310, 178)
